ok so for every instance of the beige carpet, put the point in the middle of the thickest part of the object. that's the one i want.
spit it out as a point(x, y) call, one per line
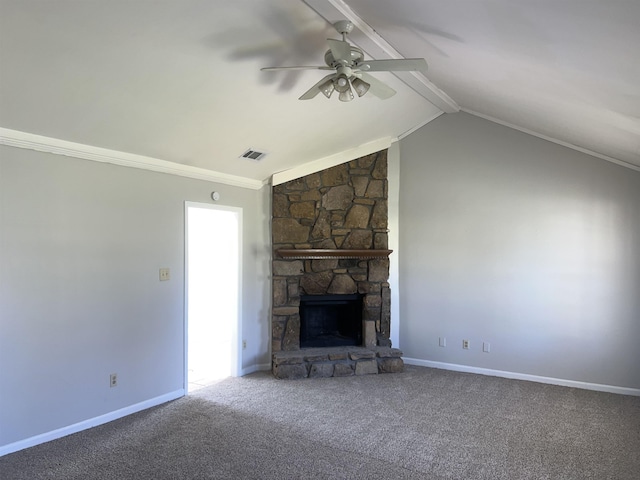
point(420, 424)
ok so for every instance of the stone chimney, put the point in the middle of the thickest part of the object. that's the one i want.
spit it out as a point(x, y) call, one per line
point(341, 208)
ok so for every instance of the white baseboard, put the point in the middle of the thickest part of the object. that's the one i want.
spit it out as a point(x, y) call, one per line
point(255, 368)
point(92, 422)
point(524, 376)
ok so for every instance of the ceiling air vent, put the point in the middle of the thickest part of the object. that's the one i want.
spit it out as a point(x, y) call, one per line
point(252, 154)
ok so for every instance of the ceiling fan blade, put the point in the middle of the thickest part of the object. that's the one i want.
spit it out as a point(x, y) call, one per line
point(378, 88)
point(340, 49)
point(313, 91)
point(276, 69)
point(393, 65)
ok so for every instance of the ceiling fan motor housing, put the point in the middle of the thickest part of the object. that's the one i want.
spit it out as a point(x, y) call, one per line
point(343, 27)
point(356, 56)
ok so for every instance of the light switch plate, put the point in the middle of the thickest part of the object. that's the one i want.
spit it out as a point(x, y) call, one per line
point(164, 274)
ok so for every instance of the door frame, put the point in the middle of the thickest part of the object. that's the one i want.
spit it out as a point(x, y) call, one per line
point(236, 334)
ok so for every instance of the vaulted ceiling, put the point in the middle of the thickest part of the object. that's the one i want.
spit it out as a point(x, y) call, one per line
point(180, 82)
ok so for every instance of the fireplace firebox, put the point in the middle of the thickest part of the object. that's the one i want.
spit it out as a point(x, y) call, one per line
point(330, 320)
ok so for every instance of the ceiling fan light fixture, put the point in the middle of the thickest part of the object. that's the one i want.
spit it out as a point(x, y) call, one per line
point(360, 86)
point(327, 88)
point(341, 83)
point(346, 96)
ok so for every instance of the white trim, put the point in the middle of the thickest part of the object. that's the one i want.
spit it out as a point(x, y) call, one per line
point(377, 47)
point(419, 126)
point(236, 343)
point(622, 163)
point(524, 376)
point(236, 334)
point(393, 203)
point(89, 423)
point(259, 367)
point(30, 141)
point(330, 161)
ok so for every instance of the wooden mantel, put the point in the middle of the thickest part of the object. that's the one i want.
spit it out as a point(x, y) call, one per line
point(319, 253)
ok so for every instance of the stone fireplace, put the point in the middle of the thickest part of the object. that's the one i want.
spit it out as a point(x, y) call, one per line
point(330, 240)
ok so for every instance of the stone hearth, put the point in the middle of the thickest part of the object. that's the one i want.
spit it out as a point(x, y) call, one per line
point(336, 362)
point(342, 208)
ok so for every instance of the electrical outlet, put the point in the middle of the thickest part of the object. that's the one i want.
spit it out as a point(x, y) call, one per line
point(465, 344)
point(113, 380)
point(486, 347)
point(244, 344)
point(164, 274)
point(442, 341)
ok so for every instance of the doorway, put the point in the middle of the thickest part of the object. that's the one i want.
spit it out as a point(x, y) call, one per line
point(213, 277)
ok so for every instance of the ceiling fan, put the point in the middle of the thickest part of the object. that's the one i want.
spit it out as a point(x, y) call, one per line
point(350, 70)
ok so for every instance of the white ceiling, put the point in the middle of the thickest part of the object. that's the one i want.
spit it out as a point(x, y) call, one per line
point(181, 81)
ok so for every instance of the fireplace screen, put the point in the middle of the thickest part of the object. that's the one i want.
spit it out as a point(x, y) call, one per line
point(330, 320)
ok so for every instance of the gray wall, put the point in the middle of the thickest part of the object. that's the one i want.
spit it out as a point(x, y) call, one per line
point(80, 248)
point(512, 240)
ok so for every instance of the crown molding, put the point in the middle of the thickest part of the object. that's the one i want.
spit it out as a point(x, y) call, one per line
point(533, 133)
point(419, 126)
point(30, 141)
point(330, 161)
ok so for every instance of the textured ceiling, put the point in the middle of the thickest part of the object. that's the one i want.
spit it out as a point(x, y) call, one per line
point(181, 81)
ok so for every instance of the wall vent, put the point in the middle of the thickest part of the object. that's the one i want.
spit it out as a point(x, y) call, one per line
point(252, 154)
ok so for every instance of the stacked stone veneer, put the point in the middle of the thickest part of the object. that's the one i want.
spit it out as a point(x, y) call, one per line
point(336, 362)
point(343, 207)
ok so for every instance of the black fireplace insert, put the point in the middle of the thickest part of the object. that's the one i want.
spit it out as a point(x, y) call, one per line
point(330, 320)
